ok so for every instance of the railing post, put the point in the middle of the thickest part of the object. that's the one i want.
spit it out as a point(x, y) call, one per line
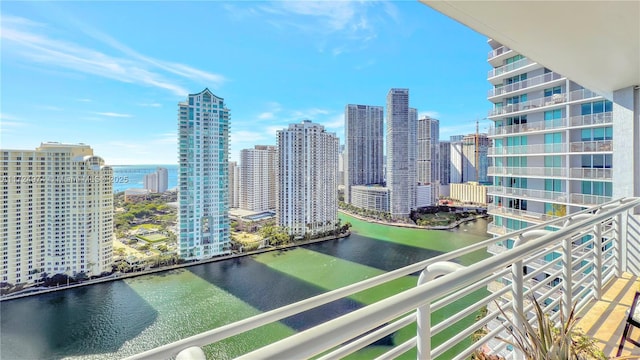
point(567, 275)
point(423, 313)
point(597, 263)
point(618, 245)
point(517, 283)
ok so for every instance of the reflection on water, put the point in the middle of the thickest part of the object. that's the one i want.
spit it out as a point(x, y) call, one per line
point(120, 318)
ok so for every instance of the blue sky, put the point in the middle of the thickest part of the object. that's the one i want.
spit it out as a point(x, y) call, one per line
point(110, 74)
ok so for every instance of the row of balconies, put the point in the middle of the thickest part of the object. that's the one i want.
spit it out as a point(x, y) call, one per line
point(555, 124)
point(548, 196)
point(552, 172)
point(552, 100)
point(509, 67)
point(525, 215)
point(545, 149)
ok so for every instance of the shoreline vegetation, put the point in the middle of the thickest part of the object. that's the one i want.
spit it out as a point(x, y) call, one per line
point(424, 218)
point(120, 276)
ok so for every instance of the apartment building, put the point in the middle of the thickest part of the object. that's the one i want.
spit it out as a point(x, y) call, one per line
point(364, 146)
point(552, 143)
point(57, 213)
point(258, 169)
point(401, 153)
point(307, 186)
point(203, 177)
point(428, 161)
point(157, 181)
point(234, 185)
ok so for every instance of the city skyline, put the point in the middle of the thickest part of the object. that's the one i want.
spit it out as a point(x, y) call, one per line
point(116, 88)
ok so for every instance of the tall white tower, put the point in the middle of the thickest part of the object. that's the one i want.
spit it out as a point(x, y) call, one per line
point(364, 146)
point(401, 152)
point(307, 179)
point(258, 180)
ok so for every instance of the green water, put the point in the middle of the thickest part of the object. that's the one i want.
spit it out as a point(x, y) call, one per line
point(121, 318)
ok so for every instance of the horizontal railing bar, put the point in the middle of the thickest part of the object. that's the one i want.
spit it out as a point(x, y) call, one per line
point(462, 335)
point(483, 340)
point(454, 318)
point(309, 342)
point(370, 338)
point(399, 350)
point(324, 336)
point(466, 291)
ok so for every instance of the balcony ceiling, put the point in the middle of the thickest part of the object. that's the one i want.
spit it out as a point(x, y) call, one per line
point(594, 43)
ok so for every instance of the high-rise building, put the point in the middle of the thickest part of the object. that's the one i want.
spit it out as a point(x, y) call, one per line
point(469, 159)
point(203, 176)
point(445, 162)
point(234, 185)
point(475, 161)
point(58, 202)
point(428, 160)
point(158, 181)
point(259, 170)
point(307, 186)
point(363, 146)
point(552, 143)
point(401, 153)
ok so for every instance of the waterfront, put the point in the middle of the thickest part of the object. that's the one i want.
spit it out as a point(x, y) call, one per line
point(120, 318)
point(132, 176)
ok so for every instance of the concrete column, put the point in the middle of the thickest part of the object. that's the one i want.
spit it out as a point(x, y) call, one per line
point(626, 166)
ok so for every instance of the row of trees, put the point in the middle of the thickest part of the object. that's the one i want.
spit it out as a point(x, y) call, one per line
point(379, 215)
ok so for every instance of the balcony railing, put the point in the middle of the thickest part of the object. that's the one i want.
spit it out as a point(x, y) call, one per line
point(591, 173)
point(509, 67)
point(554, 99)
point(556, 196)
point(589, 200)
point(527, 171)
point(530, 216)
point(519, 85)
point(497, 52)
point(590, 244)
point(555, 124)
point(592, 146)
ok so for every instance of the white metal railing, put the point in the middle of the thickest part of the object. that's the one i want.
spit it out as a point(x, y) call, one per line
point(552, 100)
point(589, 200)
point(497, 52)
point(591, 146)
point(555, 124)
point(591, 173)
point(526, 83)
point(579, 258)
point(509, 67)
point(527, 171)
point(526, 215)
point(557, 196)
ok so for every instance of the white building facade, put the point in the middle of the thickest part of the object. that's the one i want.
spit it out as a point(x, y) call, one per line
point(552, 143)
point(234, 185)
point(259, 169)
point(375, 198)
point(401, 153)
point(364, 154)
point(307, 179)
point(203, 176)
point(157, 181)
point(57, 213)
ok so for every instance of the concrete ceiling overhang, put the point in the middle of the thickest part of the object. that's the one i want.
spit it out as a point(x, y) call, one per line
point(594, 43)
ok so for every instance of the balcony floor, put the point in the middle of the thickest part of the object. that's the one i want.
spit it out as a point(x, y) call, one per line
point(606, 318)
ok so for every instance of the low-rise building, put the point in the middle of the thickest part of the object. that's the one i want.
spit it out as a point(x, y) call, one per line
point(370, 197)
point(469, 193)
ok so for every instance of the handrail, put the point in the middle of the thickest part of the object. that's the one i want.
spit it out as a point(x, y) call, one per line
point(334, 332)
point(337, 331)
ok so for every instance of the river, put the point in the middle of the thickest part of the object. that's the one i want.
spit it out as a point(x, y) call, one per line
point(120, 318)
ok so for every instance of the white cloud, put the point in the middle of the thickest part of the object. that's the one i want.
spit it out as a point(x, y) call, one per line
point(113, 114)
point(84, 100)
point(165, 138)
point(155, 105)
point(431, 114)
point(266, 115)
point(21, 38)
point(334, 122)
point(308, 114)
point(49, 107)
point(348, 24)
